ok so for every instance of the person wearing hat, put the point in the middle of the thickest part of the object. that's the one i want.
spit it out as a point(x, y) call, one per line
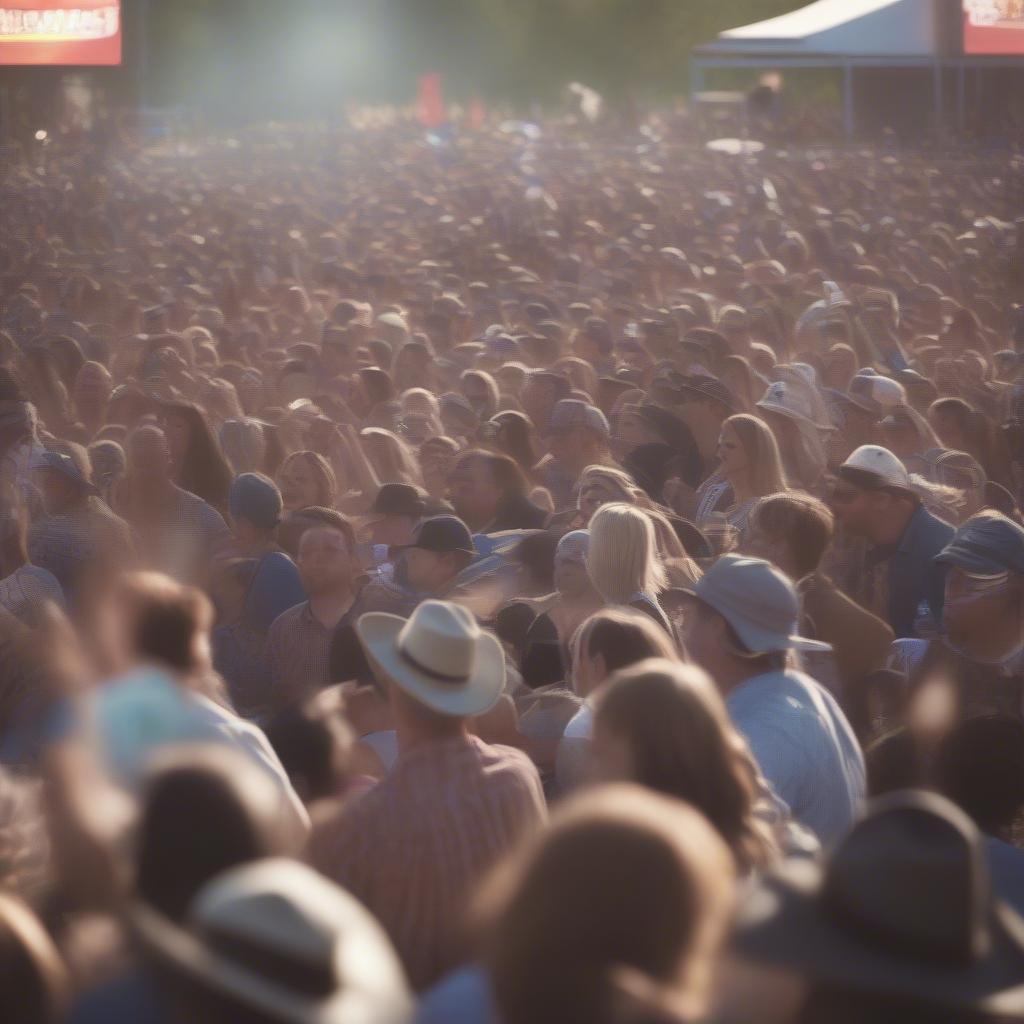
point(703, 404)
point(79, 536)
point(982, 618)
point(275, 941)
point(873, 497)
point(394, 514)
point(542, 391)
point(898, 924)
point(578, 436)
point(429, 566)
point(415, 847)
point(742, 630)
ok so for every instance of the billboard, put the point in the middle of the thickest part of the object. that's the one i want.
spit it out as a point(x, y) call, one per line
point(55, 32)
point(994, 26)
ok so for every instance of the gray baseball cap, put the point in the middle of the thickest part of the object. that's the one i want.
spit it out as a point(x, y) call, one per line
point(573, 412)
point(758, 601)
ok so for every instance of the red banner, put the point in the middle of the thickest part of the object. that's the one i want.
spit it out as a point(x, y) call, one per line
point(64, 32)
point(430, 106)
point(994, 26)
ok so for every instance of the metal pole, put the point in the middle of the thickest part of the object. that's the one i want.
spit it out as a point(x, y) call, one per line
point(142, 56)
point(961, 101)
point(937, 97)
point(849, 113)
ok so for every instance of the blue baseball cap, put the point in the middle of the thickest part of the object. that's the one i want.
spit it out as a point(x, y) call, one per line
point(255, 497)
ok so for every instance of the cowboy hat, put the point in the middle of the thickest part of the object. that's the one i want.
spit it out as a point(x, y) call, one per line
point(903, 908)
point(439, 656)
point(278, 937)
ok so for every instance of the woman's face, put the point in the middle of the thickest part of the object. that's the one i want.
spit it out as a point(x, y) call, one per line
point(177, 431)
point(595, 492)
point(731, 453)
point(634, 431)
point(476, 394)
point(299, 485)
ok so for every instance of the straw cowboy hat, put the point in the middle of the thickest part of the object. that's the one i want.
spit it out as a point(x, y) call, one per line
point(439, 656)
point(276, 936)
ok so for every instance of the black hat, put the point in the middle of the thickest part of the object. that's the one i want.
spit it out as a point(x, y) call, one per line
point(399, 500)
point(903, 908)
point(443, 534)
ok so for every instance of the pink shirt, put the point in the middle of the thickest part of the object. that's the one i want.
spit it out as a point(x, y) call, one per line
point(414, 848)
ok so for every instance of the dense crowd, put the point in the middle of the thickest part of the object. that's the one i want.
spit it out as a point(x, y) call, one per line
point(510, 577)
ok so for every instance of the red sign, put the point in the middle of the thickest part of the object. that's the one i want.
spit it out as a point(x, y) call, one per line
point(60, 32)
point(430, 106)
point(994, 26)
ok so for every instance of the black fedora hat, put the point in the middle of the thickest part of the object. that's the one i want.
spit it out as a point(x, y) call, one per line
point(902, 908)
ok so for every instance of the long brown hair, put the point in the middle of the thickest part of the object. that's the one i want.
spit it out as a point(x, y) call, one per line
point(682, 744)
point(622, 901)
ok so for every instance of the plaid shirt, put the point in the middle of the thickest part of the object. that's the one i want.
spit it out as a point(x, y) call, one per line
point(414, 848)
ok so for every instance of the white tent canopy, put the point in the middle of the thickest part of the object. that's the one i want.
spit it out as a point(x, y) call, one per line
point(838, 28)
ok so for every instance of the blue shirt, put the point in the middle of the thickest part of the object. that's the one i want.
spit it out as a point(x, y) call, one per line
point(462, 997)
point(804, 747)
point(914, 575)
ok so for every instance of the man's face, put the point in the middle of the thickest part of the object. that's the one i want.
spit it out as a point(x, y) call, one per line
point(57, 491)
point(772, 547)
point(703, 633)
point(426, 571)
point(324, 560)
point(853, 508)
point(982, 615)
point(395, 531)
point(571, 577)
point(474, 492)
point(149, 457)
point(538, 399)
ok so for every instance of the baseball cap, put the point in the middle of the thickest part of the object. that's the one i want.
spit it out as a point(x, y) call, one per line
point(255, 497)
point(574, 412)
point(873, 467)
point(988, 544)
point(758, 601)
point(62, 463)
point(442, 534)
point(398, 500)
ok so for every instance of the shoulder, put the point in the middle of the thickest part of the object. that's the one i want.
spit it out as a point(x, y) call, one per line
point(287, 618)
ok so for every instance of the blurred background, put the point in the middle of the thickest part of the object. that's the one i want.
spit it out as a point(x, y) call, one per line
point(278, 58)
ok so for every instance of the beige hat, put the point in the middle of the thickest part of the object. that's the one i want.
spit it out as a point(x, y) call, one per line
point(871, 463)
point(277, 936)
point(439, 656)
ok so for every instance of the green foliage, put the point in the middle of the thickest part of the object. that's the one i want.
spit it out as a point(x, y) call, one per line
point(275, 56)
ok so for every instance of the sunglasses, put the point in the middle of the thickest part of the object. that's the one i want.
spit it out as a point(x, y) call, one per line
point(844, 495)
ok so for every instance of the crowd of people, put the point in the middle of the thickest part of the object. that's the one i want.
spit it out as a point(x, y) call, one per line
point(510, 578)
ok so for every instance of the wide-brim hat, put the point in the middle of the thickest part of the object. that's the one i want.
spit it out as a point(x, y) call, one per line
point(248, 927)
point(439, 657)
point(795, 919)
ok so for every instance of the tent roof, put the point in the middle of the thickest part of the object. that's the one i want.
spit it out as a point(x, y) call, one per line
point(838, 28)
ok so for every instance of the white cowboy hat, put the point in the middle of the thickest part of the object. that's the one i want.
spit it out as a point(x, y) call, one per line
point(439, 656)
point(278, 937)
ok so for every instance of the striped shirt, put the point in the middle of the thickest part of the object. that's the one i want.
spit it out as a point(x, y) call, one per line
point(414, 848)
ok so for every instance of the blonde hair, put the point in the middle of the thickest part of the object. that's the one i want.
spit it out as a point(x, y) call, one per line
point(618, 478)
point(765, 474)
point(391, 457)
point(623, 560)
point(327, 482)
point(422, 401)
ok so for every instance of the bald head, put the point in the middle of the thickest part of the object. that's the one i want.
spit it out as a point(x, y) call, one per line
point(149, 456)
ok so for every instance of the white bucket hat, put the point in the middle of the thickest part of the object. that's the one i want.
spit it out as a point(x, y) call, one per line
point(278, 937)
point(785, 399)
point(439, 656)
point(758, 601)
